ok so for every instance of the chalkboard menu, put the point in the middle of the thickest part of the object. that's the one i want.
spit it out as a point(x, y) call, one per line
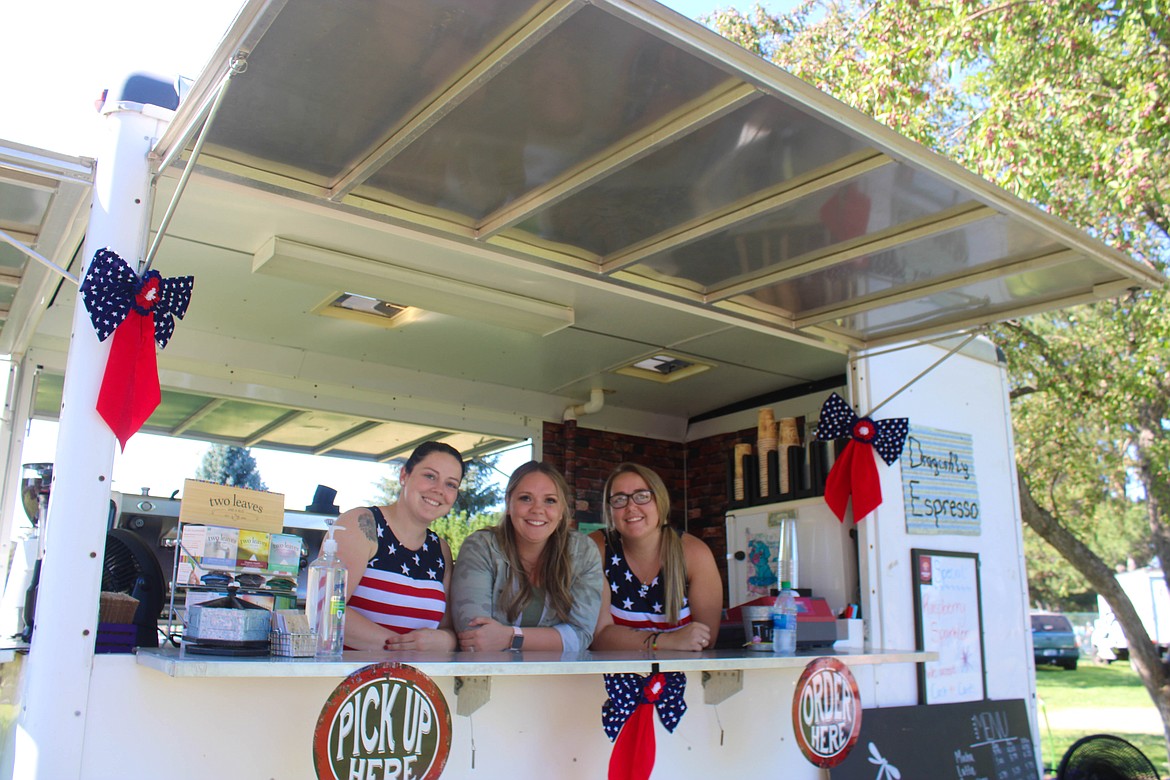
point(979, 740)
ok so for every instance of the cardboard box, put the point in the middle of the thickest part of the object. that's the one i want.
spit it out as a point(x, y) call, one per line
point(191, 547)
point(252, 550)
point(284, 554)
point(220, 548)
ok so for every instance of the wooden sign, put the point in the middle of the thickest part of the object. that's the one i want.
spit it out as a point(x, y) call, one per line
point(826, 712)
point(985, 739)
point(948, 619)
point(387, 720)
point(939, 489)
point(233, 507)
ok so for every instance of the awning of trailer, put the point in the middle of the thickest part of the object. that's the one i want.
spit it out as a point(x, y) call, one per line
point(623, 141)
point(43, 198)
point(44, 201)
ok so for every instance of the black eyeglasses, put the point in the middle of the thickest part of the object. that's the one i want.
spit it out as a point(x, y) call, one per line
point(619, 500)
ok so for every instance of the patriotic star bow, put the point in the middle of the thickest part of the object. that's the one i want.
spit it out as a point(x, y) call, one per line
point(855, 473)
point(139, 312)
point(628, 717)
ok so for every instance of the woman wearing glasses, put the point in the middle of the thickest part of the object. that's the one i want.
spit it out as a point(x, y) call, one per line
point(664, 587)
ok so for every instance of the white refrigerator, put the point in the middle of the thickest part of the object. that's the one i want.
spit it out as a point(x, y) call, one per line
point(826, 553)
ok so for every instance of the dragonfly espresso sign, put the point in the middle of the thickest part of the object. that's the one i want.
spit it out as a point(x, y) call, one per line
point(386, 721)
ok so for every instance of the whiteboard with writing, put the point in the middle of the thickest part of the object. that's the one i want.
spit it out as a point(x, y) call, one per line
point(948, 621)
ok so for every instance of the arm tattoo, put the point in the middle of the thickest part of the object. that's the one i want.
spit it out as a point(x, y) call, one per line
point(368, 526)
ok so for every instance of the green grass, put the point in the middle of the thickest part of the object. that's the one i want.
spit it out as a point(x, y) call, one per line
point(1115, 685)
point(1096, 687)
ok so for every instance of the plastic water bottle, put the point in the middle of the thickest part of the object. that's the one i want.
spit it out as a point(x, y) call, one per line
point(784, 622)
point(326, 599)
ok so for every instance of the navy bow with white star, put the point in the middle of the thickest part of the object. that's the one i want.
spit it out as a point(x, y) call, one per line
point(854, 472)
point(139, 312)
point(628, 717)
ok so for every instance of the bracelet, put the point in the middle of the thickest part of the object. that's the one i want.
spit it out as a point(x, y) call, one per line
point(654, 641)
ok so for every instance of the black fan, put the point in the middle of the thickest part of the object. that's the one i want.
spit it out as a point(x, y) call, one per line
point(130, 567)
point(1105, 757)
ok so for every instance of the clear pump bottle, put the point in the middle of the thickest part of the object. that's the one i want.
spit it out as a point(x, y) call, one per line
point(326, 599)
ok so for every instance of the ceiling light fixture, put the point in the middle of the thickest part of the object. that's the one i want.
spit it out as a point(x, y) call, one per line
point(386, 281)
point(362, 308)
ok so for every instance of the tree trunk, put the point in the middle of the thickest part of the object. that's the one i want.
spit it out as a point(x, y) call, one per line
point(1143, 653)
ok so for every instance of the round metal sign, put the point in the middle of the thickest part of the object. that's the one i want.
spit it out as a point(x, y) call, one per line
point(826, 712)
point(386, 720)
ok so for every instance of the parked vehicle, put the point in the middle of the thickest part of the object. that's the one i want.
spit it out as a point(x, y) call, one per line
point(1054, 641)
point(1146, 588)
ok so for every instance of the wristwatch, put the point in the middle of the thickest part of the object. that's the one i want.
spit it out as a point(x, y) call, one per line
point(517, 637)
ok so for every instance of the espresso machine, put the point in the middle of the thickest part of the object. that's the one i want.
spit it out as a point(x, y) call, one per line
point(20, 591)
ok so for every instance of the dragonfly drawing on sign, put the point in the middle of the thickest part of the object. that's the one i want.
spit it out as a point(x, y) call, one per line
point(885, 768)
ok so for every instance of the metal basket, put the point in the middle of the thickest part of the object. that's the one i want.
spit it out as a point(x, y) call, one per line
point(298, 645)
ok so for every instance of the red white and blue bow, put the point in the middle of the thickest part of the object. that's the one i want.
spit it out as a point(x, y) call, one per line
point(854, 473)
point(138, 312)
point(628, 717)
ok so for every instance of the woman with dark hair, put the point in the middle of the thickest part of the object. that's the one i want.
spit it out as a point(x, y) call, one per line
point(399, 569)
point(531, 582)
point(664, 587)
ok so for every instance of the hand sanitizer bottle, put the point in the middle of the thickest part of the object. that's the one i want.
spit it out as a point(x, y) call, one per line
point(326, 599)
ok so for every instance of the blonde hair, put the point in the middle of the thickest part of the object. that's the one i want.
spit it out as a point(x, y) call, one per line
point(554, 566)
point(670, 549)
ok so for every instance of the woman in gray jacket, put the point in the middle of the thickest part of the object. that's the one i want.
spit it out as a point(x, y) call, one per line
point(531, 582)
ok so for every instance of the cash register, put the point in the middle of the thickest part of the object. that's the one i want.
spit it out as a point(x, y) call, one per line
point(816, 626)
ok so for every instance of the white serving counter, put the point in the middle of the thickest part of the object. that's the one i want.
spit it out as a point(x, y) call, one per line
point(522, 715)
point(177, 663)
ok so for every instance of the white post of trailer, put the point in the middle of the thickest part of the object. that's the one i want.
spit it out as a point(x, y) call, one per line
point(51, 724)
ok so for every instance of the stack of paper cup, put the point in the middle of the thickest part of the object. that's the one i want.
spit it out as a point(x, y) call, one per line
point(789, 436)
point(765, 443)
point(741, 450)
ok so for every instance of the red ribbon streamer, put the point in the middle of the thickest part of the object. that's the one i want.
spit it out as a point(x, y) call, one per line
point(854, 473)
point(130, 391)
point(634, 749)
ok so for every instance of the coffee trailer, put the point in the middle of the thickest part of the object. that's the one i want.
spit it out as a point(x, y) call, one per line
point(597, 226)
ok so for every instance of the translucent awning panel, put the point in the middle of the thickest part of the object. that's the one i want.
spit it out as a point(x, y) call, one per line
point(589, 83)
point(993, 299)
point(838, 216)
point(329, 81)
point(745, 153)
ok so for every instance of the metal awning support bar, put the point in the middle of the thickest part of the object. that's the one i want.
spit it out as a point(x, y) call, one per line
point(38, 257)
point(238, 66)
point(924, 372)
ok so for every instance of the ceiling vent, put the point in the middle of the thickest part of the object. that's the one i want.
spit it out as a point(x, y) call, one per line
point(664, 367)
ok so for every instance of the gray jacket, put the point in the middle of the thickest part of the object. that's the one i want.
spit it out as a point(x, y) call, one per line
point(481, 570)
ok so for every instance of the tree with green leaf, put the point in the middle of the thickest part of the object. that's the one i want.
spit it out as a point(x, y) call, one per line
point(232, 466)
point(457, 526)
point(479, 492)
point(1065, 103)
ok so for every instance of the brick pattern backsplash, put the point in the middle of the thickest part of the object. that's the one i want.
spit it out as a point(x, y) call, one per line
point(694, 473)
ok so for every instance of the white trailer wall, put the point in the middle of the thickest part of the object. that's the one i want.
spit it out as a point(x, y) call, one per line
point(967, 393)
